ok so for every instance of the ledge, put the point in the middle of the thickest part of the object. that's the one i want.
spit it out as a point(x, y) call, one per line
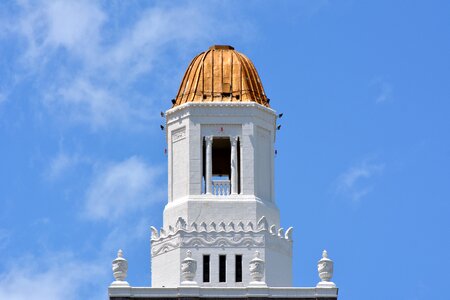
point(181, 226)
point(124, 293)
point(220, 104)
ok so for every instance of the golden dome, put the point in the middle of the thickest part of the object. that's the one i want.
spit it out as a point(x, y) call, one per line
point(221, 74)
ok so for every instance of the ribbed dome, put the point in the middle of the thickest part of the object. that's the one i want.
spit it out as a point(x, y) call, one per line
point(221, 74)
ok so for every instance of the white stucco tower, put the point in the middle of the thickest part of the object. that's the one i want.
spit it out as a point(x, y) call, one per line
point(221, 200)
point(221, 236)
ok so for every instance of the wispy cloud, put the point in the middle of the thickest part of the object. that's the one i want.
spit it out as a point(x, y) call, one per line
point(84, 102)
point(382, 89)
point(53, 277)
point(354, 182)
point(50, 25)
point(62, 163)
point(122, 188)
point(125, 236)
point(86, 62)
point(86, 66)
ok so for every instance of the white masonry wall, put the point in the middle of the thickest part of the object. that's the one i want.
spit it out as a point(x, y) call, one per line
point(178, 160)
point(229, 224)
point(187, 125)
point(169, 249)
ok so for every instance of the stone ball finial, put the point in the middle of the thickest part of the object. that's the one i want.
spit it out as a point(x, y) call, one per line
point(120, 269)
point(325, 269)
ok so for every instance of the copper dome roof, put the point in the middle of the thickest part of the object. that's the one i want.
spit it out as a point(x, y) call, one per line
point(221, 74)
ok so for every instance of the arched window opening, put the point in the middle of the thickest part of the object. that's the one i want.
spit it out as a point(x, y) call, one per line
point(221, 166)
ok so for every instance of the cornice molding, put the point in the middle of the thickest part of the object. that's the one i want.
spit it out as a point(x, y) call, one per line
point(181, 225)
point(220, 105)
point(225, 293)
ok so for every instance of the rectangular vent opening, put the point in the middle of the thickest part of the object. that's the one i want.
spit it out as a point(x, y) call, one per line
point(222, 268)
point(206, 263)
point(238, 270)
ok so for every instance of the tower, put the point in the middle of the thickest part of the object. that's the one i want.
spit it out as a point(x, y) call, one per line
point(221, 231)
point(220, 136)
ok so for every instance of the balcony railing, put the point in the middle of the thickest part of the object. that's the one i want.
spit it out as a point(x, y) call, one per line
point(221, 187)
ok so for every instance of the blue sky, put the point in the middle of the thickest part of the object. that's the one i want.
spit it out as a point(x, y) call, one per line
point(363, 164)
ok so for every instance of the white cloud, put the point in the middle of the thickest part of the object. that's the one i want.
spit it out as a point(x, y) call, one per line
point(94, 63)
point(54, 277)
point(353, 182)
point(157, 30)
point(49, 25)
point(61, 164)
point(73, 24)
point(85, 102)
point(126, 235)
point(383, 90)
point(122, 188)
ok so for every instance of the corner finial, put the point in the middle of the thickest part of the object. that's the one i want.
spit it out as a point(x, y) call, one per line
point(325, 269)
point(120, 269)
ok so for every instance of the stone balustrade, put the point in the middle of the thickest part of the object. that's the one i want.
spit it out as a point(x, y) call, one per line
point(221, 187)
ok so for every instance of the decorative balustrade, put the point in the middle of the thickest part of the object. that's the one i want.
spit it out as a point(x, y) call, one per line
point(221, 187)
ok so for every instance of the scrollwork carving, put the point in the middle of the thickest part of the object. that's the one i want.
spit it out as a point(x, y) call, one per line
point(165, 247)
point(222, 242)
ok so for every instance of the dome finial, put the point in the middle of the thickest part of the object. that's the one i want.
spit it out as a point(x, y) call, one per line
point(221, 47)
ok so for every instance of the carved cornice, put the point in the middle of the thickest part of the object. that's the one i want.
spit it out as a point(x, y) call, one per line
point(220, 104)
point(223, 242)
point(219, 235)
point(182, 111)
point(198, 240)
point(182, 225)
point(165, 247)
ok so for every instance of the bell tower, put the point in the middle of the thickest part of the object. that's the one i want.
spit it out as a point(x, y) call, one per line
point(221, 200)
point(221, 235)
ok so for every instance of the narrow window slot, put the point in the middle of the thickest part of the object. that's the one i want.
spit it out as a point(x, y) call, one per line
point(239, 166)
point(238, 270)
point(222, 268)
point(206, 261)
point(203, 166)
